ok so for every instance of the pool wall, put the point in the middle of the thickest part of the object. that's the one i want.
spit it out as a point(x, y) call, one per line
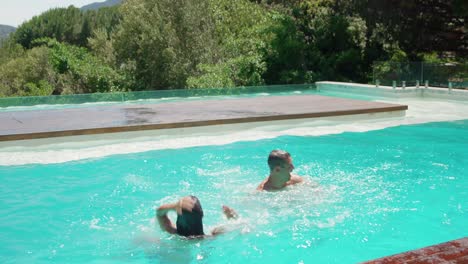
point(398, 92)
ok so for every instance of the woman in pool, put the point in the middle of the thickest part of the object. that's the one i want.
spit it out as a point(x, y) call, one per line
point(189, 217)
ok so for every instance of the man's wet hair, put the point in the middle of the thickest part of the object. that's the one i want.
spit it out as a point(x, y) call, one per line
point(190, 223)
point(278, 157)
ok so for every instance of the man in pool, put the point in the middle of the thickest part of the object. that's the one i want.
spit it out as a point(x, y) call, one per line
point(189, 217)
point(281, 166)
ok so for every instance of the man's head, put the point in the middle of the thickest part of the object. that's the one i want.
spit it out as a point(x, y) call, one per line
point(280, 161)
point(190, 223)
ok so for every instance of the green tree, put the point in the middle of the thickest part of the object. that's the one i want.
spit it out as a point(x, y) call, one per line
point(286, 57)
point(54, 67)
point(334, 39)
point(102, 46)
point(76, 64)
point(69, 25)
point(421, 25)
point(165, 41)
point(242, 30)
point(29, 74)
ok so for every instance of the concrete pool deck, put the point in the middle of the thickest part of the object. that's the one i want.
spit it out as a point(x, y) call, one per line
point(23, 125)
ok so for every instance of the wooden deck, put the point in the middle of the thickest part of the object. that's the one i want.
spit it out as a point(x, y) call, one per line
point(455, 251)
point(123, 118)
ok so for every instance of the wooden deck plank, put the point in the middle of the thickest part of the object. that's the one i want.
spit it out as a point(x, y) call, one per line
point(123, 118)
point(455, 251)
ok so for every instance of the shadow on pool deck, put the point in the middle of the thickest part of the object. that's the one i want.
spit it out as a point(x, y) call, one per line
point(123, 118)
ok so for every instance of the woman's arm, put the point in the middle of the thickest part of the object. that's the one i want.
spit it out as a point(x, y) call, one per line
point(230, 214)
point(185, 203)
point(164, 222)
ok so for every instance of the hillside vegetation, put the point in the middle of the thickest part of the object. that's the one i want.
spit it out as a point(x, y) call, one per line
point(167, 44)
point(6, 30)
point(95, 6)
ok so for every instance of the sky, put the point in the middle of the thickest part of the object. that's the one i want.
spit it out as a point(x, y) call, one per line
point(15, 12)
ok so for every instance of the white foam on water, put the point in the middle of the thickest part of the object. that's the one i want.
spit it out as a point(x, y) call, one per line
point(58, 150)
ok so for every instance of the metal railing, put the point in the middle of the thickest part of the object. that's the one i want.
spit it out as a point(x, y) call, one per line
point(450, 75)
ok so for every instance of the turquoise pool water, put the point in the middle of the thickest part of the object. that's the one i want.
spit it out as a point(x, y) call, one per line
point(372, 194)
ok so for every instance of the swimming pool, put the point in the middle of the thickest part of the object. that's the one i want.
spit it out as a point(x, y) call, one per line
point(377, 193)
point(378, 187)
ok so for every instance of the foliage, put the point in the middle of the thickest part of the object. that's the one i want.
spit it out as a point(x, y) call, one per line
point(212, 76)
point(242, 31)
point(69, 25)
point(5, 31)
point(101, 45)
point(83, 72)
point(9, 49)
point(286, 57)
point(148, 45)
point(165, 41)
point(334, 41)
point(421, 25)
point(27, 74)
point(54, 67)
point(394, 69)
point(99, 5)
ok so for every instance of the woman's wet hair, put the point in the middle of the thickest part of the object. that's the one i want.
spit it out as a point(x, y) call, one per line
point(277, 157)
point(190, 223)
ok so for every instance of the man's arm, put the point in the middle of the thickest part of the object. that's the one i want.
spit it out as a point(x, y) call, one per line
point(296, 179)
point(262, 185)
